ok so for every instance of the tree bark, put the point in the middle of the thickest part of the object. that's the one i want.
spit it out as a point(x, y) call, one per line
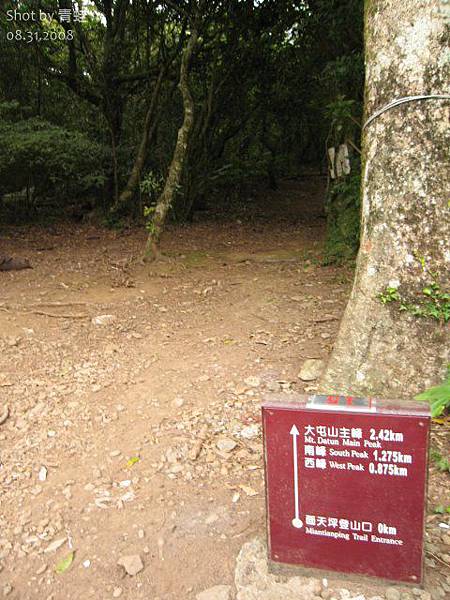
point(173, 179)
point(115, 166)
point(149, 129)
point(381, 350)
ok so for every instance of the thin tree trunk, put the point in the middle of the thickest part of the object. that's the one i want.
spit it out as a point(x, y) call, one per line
point(148, 133)
point(198, 150)
point(113, 116)
point(405, 243)
point(114, 166)
point(173, 179)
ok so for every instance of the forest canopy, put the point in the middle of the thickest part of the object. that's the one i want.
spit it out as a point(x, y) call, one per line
point(91, 102)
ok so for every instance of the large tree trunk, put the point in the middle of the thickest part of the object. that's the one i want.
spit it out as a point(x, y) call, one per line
point(147, 134)
point(173, 179)
point(382, 350)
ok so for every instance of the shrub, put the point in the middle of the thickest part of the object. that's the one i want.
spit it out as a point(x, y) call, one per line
point(438, 396)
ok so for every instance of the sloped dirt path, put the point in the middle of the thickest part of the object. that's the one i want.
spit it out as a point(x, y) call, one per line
point(134, 393)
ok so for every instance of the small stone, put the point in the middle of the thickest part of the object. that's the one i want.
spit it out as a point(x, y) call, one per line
point(392, 593)
point(178, 402)
point(212, 518)
point(218, 592)
point(176, 469)
point(115, 453)
point(250, 432)
point(42, 475)
point(311, 369)
point(86, 563)
point(55, 545)
point(304, 589)
point(7, 589)
point(131, 563)
point(117, 592)
point(20, 423)
point(273, 386)
point(248, 490)
point(240, 389)
point(103, 319)
point(252, 381)
point(41, 569)
point(141, 534)
point(226, 445)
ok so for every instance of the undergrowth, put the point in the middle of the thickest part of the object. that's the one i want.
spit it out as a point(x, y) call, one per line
point(343, 219)
point(438, 396)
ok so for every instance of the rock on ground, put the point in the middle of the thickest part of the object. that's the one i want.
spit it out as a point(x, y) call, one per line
point(311, 369)
point(132, 564)
point(254, 582)
point(218, 592)
point(392, 594)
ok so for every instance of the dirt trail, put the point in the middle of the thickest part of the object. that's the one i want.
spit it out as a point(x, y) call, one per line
point(138, 432)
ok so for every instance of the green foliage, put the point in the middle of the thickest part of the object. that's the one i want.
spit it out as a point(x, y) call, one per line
point(390, 294)
point(344, 125)
point(340, 83)
point(268, 81)
point(149, 213)
point(237, 172)
point(49, 158)
point(8, 110)
point(431, 303)
point(438, 396)
point(442, 510)
point(65, 563)
point(151, 185)
point(343, 219)
point(112, 221)
point(442, 463)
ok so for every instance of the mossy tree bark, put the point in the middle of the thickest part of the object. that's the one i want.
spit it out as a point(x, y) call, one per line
point(405, 241)
point(175, 172)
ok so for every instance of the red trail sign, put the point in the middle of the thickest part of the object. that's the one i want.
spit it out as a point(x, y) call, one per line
point(346, 481)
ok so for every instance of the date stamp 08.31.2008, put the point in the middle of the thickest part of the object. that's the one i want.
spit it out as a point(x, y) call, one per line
point(39, 25)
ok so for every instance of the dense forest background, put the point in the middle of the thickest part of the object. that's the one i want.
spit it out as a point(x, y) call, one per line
point(90, 105)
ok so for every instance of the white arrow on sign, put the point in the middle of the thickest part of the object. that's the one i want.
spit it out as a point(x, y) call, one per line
point(296, 521)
